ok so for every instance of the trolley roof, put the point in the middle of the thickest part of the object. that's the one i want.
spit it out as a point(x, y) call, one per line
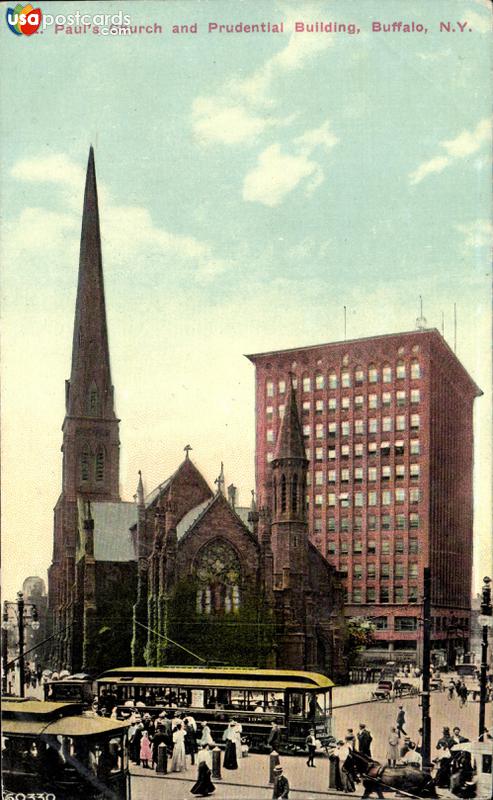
point(219, 677)
point(34, 718)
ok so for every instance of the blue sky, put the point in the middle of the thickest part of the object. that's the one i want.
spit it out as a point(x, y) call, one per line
point(251, 186)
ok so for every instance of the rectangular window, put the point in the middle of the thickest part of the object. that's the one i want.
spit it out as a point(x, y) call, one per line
point(308, 477)
point(306, 407)
point(413, 547)
point(345, 379)
point(386, 472)
point(415, 371)
point(372, 448)
point(319, 477)
point(357, 572)
point(400, 522)
point(332, 404)
point(413, 594)
point(306, 384)
point(371, 594)
point(357, 596)
point(345, 428)
point(415, 398)
point(399, 546)
point(372, 522)
point(294, 383)
point(384, 594)
point(332, 380)
point(372, 375)
point(357, 546)
point(344, 500)
point(343, 566)
point(373, 425)
point(344, 547)
point(386, 522)
point(386, 497)
point(319, 406)
point(400, 371)
point(318, 500)
point(331, 499)
point(331, 476)
point(385, 547)
point(414, 448)
point(318, 524)
point(401, 398)
point(413, 570)
point(406, 624)
point(319, 431)
point(345, 403)
point(371, 547)
point(306, 431)
point(280, 410)
point(345, 475)
point(332, 453)
point(372, 401)
point(358, 523)
point(358, 450)
point(399, 447)
point(385, 448)
point(380, 623)
point(269, 411)
point(345, 451)
point(372, 498)
point(344, 524)
point(384, 570)
point(358, 474)
point(399, 571)
point(400, 472)
point(331, 523)
point(331, 548)
point(269, 388)
point(282, 387)
point(400, 422)
point(359, 427)
point(319, 382)
point(414, 472)
point(332, 429)
point(372, 473)
point(270, 435)
point(400, 496)
point(386, 424)
point(359, 376)
point(387, 374)
point(358, 401)
point(358, 499)
point(370, 569)
point(319, 453)
point(414, 422)
point(386, 398)
point(414, 495)
point(413, 520)
point(398, 594)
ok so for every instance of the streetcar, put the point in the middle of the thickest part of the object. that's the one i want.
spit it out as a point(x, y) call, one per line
point(255, 698)
point(57, 751)
point(71, 689)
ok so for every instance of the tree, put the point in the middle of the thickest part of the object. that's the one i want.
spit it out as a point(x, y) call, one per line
point(360, 636)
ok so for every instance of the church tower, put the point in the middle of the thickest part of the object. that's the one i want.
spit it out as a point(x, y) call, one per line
point(90, 429)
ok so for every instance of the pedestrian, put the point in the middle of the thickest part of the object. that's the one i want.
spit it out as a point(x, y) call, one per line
point(364, 740)
point(311, 746)
point(401, 721)
point(274, 739)
point(230, 755)
point(203, 786)
point(190, 740)
point(462, 692)
point(145, 750)
point(351, 738)
point(206, 736)
point(179, 758)
point(281, 785)
point(451, 689)
point(393, 747)
point(136, 742)
point(347, 773)
point(160, 737)
point(456, 736)
point(412, 758)
point(233, 734)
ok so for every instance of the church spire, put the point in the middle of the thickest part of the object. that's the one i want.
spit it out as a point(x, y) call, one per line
point(90, 392)
point(290, 438)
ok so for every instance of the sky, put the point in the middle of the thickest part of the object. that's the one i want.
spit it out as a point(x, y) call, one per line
point(251, 186)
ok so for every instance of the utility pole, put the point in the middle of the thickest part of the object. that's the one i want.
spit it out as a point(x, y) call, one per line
point(5, 644)
point(22, 671)
point(425, 694)
point(486, 611)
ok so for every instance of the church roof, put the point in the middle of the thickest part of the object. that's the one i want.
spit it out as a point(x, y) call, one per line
point(112, 538)
point(290, 439)
point(190, 518)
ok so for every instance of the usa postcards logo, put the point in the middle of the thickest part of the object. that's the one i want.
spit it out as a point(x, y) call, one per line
point(24, 19)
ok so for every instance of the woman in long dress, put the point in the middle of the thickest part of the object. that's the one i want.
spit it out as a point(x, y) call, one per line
point(233, 734)
point(178, 759)
point(206, 737)
point(204, 785)
point(393, 747)
point(230, 757)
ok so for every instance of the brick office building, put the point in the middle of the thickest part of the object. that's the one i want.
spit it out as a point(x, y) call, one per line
point(388, 430)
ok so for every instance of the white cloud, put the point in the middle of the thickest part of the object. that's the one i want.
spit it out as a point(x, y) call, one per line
point(477, 234)
point(465, 144)
point(317, 136)
point(126, 230)
point(214, 119)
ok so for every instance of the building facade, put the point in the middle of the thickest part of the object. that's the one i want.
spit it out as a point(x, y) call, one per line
point(388, 433)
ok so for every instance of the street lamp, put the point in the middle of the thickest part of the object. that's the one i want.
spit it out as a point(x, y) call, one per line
point(485, 620)
point(26, 614)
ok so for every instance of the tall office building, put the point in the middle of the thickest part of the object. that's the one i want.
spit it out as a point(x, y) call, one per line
point(388, 430)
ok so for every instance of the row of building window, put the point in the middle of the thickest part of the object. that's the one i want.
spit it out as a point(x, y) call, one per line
point(358, 402)
point(400, 623)
point(372, 426)
point(345, 475)
point(387, 498)
point(370, 595)
point(373, 522)
point(384, 570)
point(348, 378)
point(371, 547)
point(372, 448)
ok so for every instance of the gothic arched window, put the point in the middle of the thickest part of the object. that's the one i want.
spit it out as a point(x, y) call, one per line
point(99, 466)
point(283, 493)
point(219, 574)
point(294, 495)
point(85, 458)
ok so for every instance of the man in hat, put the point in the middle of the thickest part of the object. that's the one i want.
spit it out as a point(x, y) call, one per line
point(401, 721)
point(281, 785)
point(364, 740)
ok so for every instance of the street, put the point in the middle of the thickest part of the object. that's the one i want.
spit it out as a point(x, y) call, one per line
point(250, 781)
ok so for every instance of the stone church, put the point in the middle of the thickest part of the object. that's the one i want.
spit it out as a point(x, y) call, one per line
point(182, 575)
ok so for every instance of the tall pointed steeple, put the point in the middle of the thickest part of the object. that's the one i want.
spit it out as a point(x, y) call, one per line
point(90, 430)
point(90, 392)
point(290, 437)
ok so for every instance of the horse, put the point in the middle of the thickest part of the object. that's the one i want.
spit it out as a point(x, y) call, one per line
point(376, 777)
